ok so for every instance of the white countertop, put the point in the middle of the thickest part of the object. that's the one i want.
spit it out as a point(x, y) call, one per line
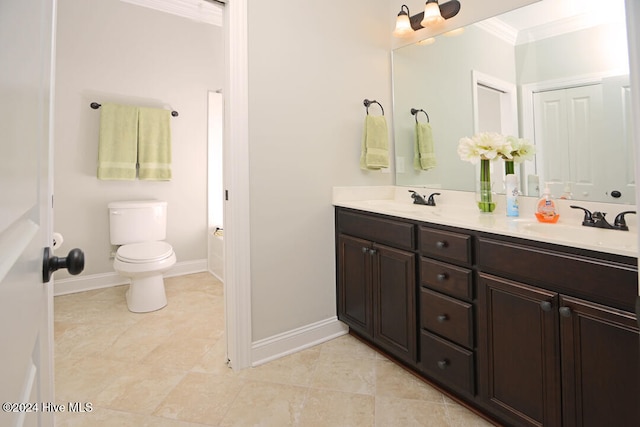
point(458, 209)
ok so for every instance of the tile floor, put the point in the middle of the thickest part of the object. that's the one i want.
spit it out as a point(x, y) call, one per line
point(167, 368)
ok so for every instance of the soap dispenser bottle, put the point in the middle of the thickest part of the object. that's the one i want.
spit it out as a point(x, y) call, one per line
point(546, 209)
point(512, 195)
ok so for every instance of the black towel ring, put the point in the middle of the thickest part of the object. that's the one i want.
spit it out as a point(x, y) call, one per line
point(415, 112)
point(367, 103)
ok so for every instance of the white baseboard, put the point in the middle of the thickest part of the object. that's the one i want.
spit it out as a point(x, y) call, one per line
point(280, 345)
point(71, 285)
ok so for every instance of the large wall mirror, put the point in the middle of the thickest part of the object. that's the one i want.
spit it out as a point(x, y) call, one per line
point(554, 72)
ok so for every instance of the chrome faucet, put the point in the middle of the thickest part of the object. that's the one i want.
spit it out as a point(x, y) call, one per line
point(599, 220)
point(420, 200)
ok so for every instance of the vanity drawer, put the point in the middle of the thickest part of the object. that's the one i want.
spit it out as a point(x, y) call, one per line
point(600, 281)
point(398, 234)
point(445, 245)
point(447, 362)
point(447, 317)
point(446, 278)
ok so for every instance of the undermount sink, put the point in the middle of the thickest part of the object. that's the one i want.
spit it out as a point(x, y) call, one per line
point(397, 207)
point(394, 206)
point(588, 235)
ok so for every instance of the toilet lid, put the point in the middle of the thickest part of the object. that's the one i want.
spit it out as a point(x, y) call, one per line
point(144, 252)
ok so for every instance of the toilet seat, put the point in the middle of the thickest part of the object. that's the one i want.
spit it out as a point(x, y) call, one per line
point(140, 253)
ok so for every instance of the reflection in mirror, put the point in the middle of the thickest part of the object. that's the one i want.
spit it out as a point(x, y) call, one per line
point(559, 81)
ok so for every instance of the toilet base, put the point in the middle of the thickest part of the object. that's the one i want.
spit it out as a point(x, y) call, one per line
point(146, 294)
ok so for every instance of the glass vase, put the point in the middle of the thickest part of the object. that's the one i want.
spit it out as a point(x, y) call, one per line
point(484, 194)
point(509, 168)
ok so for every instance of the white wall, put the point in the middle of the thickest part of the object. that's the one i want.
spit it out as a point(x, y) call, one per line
point(109, 51)
point(311, 64)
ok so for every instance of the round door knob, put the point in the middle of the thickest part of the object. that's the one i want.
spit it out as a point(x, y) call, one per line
point(545, 305)
point(73, 262)
point(565, 311)
point(616, 194)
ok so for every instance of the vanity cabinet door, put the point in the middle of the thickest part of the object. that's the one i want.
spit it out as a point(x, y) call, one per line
point(394, 301)
point(518, 348)
point(376, 294)
point(600, 365)
point(355, 298)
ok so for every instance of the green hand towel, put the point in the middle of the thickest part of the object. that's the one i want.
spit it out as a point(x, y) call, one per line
point(118, 144)
point(375, 143)
point(424, 157)
point(154, 144)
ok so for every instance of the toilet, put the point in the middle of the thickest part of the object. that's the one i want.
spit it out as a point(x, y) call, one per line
point(139, 228)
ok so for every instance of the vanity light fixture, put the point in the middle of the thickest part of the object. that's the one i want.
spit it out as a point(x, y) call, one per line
point(433, 14)
point(403, 25)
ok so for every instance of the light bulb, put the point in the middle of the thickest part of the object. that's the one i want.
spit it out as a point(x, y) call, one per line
point(432, 14)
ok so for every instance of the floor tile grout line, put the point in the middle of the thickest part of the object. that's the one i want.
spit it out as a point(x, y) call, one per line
point(340, 350)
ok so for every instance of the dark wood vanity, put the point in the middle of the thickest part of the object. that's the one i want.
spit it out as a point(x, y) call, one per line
point(528, 333)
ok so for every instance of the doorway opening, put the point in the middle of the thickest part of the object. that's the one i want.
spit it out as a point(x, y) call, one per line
point(215, 190)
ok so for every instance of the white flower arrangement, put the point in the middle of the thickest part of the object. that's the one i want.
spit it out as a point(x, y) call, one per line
point(521, 149)
point(491, 145)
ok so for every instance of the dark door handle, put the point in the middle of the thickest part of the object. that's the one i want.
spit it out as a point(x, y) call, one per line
point(73, 262)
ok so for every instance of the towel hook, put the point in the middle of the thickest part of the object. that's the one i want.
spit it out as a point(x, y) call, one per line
point(367, 103)
point(95, 106)
point(415, 112)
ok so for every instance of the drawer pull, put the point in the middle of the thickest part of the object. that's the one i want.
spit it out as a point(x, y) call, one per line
point(442, 318)
point(442, 364)
point(565, 311)
point(546, 306)
point(441, 277)
point(441, 244)
point(365, 249)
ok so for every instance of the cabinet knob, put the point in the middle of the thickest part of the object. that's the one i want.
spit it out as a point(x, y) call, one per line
point(565, 311)
point(442, 318)
point(365, 249)
point(441, 277)
point(373, 251)
point(545, 305)
point(442, 364)
point(441, 244)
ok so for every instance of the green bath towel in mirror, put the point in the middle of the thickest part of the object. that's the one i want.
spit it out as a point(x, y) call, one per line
point(424, 157)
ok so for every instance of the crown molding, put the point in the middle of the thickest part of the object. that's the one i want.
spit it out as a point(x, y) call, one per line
point(500, 29)
point(196, 10)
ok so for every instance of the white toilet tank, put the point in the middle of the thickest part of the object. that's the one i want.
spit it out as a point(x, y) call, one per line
point(137, 221)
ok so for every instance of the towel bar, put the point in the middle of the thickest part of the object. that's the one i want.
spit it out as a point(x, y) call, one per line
point(415, 112)
point(95, 106)
point(367, 103)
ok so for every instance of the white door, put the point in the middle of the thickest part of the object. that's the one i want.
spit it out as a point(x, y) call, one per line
point(26, 362)
point(569, 138)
